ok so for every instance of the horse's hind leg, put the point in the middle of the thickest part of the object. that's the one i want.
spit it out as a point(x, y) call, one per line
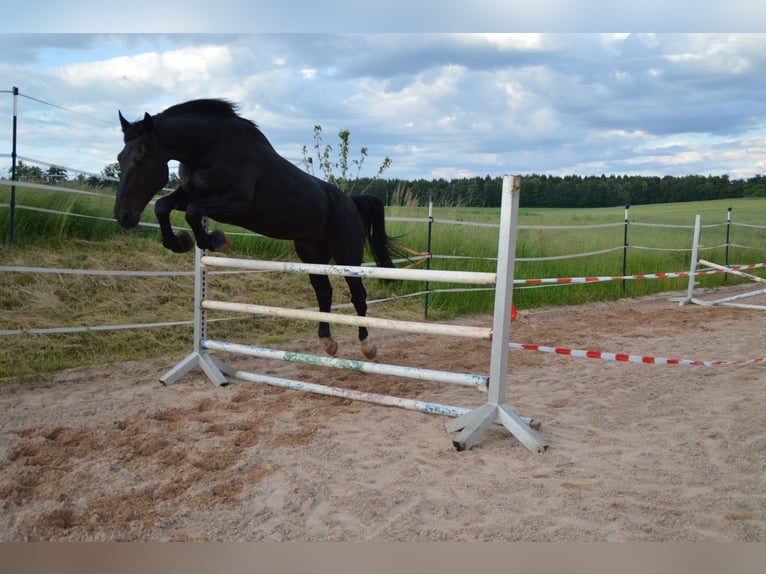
point(359, 299)
point(323, 289)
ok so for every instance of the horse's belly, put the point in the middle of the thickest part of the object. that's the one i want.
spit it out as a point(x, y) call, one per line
point(281, 226)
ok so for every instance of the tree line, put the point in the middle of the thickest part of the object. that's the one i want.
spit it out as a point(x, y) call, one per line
point(568, 191)
point(107, 179)
point(538, 190)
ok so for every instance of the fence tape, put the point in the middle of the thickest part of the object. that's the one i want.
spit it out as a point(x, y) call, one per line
point(734, 223)
point(668, 249)
point(572, 255)
point(674, 226)
point(97, 328)
point(43, 186)
point(108, 273)
point(597, 279)
point(624, 357)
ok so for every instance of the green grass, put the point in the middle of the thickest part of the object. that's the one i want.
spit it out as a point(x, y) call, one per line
point(675, 244)
point(29, 300)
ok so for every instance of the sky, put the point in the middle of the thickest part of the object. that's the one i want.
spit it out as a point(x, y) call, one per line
point(444, 89)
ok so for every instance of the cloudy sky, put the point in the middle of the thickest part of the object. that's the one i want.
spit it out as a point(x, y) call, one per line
point(439, 101)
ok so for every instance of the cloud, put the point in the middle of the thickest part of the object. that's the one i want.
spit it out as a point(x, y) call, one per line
point(435, 103)
point(171, 71)
point(423, 16)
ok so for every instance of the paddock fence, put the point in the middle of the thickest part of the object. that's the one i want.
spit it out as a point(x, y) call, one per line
point(732, 234)
point(727, 238)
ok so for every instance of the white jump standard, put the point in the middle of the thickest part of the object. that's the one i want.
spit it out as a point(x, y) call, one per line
point(725, 301)
point(470, 424)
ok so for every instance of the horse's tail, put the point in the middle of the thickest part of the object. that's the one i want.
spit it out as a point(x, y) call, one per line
point(372, 211)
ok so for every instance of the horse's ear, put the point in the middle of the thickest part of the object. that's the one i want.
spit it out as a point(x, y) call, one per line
point(123, 122)
point(148, 122)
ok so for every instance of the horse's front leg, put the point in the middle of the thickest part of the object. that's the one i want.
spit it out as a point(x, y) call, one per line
point(210, 207)
point(180, 241)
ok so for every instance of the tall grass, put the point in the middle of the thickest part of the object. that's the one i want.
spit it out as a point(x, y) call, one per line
point(651, 249)
point(90, 217)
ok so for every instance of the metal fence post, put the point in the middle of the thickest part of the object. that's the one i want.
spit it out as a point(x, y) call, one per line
point(428, 248)
point(728, 239)
point(625, 248)
point(13, 168)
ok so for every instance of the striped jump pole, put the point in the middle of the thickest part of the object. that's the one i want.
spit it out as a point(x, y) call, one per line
point(470, 424)
point(478, 381)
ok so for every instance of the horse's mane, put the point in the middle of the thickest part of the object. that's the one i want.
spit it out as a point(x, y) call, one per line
point(207, 107)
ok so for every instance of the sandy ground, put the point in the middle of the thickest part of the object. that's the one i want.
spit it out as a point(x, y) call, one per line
point(637, 452)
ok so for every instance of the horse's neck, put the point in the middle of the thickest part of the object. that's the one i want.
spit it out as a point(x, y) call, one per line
point(184, 141)
point(191, 141)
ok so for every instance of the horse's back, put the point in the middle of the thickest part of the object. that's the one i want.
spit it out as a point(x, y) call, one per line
point(279, 199)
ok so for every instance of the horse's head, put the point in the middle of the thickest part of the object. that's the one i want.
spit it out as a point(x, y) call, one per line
point(143, 170)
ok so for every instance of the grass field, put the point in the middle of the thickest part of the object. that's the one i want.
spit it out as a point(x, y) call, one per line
point(33, 300)
point(651, 249)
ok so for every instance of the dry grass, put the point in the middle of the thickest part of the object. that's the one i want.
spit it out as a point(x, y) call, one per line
point(41, 301)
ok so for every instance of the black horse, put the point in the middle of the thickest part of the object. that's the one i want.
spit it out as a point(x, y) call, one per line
point(230, 172)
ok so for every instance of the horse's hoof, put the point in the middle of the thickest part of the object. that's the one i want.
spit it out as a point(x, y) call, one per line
point(184, 242)
point(368, 348)
point(218, 241)
point(329, 345)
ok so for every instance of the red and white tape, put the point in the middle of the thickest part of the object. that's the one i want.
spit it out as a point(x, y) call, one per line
point(596, 279)
point(630, 358)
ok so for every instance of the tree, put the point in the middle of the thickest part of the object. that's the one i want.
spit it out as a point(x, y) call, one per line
point(55, 174)
point(173, 181)
point(26, 172)
point(111, 171)
point(337, 171)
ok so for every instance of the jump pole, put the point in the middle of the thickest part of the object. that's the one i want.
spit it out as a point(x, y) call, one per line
point(728, 301)
point(472, 423)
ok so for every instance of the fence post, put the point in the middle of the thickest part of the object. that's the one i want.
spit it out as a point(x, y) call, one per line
point(215, 370)
point(200, 294)
point(13, 167)
point(728, 238)
point(428, 248)
point(625, 248)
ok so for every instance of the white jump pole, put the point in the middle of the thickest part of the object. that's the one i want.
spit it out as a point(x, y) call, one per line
point(482, 333)
point(400, 274)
